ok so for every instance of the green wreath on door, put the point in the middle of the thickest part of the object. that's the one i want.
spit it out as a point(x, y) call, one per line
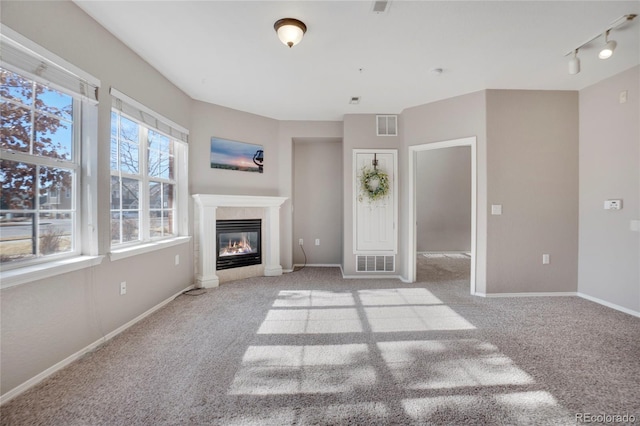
point(374, 184)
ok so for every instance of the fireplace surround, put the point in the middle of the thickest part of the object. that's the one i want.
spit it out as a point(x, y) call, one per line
point(206, 244)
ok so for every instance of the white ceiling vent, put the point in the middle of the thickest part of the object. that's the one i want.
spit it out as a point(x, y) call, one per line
point(375, 263)
point(387, 125)
point(380, 6)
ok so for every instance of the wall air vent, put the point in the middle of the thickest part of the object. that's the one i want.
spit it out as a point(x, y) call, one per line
point(375, 263)
point(387, 125)
point(380, 6)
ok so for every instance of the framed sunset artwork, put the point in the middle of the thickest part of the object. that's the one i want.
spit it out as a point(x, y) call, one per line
point(231, 155)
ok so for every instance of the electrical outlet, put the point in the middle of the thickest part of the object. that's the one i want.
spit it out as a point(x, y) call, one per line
point(623, 97)
point(545, 259)
point(317, 241)
point(177, 259)
point(300, 242)
point(613, 204)
point(123, 288)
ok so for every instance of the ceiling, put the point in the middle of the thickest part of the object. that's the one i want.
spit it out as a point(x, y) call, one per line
point(227, 52)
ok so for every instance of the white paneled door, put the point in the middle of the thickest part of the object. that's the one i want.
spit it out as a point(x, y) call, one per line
point(375, 229)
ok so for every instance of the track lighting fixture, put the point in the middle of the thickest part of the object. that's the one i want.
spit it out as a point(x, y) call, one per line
point(574, 63)
point(609, 45)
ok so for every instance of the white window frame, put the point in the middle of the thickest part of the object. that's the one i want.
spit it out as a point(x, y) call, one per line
point(73, 165)
point(149, 119)
point(64, 77)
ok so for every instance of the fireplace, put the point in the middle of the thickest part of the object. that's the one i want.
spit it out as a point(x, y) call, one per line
point(206, 240)
point(238, 243)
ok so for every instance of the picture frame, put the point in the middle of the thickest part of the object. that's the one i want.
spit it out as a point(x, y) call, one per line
point(233, 155)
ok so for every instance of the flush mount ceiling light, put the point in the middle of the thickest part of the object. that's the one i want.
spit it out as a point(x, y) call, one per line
point(290, 30)
point(610, 45)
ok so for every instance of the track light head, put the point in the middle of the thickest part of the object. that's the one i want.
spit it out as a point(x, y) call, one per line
point(574, 63)
point(609, 47)
point(607, 50)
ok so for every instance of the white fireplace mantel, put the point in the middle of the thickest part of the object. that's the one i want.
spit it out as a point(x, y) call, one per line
point(206, 205)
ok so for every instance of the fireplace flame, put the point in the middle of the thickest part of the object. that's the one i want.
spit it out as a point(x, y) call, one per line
point(237, 247)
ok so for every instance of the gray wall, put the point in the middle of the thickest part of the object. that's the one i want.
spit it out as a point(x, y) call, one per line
point(609, 262)
point(443, 199)
point(317, 199)
point(210, 120)
point(287, 132)
point(360, 132)
point(44, 322)
point(454, 118)
point(532, 152)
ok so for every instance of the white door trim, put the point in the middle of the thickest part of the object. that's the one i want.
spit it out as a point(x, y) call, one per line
point(411, 237)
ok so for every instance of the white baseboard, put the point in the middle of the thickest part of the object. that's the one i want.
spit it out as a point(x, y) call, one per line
point(609, 304)
point(71, 358)
point(531, 294)
point(318, 265)
point(565, 294)
point(444, 252)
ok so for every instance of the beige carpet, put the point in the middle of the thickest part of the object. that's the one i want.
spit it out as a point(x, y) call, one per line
point(309, 348)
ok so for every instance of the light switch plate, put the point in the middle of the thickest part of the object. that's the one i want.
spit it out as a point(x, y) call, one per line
point(496, 209)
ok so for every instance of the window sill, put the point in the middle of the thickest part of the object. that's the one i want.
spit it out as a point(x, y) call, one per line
point(14, 277)
point(146, 248)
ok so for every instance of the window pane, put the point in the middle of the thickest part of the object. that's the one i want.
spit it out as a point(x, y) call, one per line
point(18, 185)
point(129, 130)
point(129, 160)
point(128, 145)
point(54, 102)
point(115, 193)
point(160, 159)
point(16, 237)
point(158, 141)
point(167, 199)
point(167, 219)
point(130, 225)
point(155, 223)
point(54, 138)
point(15, 87)
point(155, 195)
point(115, 227)
point(161, 223)
point(16, 127)
point(130, 194)
point(55, 233)
point(54, 184)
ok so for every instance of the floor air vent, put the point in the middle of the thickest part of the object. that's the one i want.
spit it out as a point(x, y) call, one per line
point(375, 263)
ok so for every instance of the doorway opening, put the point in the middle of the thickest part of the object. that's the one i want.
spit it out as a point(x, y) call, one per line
point(412, 239)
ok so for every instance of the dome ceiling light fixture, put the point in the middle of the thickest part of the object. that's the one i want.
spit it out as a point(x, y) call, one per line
point(608, 48)
point(290, 31)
